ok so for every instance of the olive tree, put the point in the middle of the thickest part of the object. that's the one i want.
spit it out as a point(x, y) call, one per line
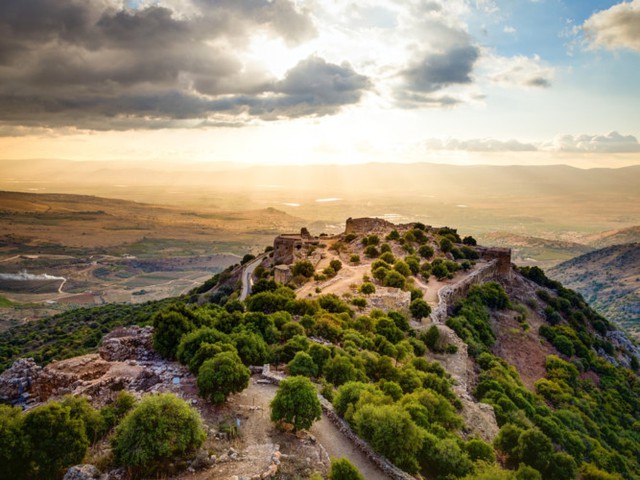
point(296, 402)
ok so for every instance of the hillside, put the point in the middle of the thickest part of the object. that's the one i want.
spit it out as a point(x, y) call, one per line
point(407, 331)
point(609, 279)
point(60, 251)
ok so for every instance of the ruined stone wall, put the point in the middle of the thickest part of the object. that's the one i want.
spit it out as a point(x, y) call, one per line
point(449, 295)
point(501, 255)
point(284, 247)
point(367, 225)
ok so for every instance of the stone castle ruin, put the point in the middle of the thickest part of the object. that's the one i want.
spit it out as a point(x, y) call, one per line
point(286, 245)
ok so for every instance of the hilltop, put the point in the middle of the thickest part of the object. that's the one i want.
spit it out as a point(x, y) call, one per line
point(609, 279)
point(409, 331)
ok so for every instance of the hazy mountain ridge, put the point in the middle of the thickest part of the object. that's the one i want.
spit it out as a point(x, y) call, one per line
point(609, 279)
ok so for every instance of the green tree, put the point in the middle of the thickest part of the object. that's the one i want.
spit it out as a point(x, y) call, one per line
point(252, 349)
point(168, 329)
point(221, 376)
point(191, 342)
point(81, 409)
point(469, 240)
point(12, 443)
point(382, 426)
point(54, 439)
point(561, 466)
point(343, 469)
point(304, 268)
point(158, 429)
point(446, 245)
point(419, 309)
point(303, 364)
point(425, 251)
point(534, 449)
point(440, 271)
point(402, 268)
point(340, 370)
point(368, 288)
point(371, 251)
point(393, 279)
point(296, 402)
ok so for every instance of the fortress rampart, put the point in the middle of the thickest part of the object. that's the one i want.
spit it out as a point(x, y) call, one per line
point(498, 268)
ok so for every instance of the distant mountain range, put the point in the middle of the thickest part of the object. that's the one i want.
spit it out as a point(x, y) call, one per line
point(609, 279)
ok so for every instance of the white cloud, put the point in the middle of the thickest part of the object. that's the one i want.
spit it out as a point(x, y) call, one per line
point(612, 142)
point(617, 27)
point(480, 145)
point(519, 71)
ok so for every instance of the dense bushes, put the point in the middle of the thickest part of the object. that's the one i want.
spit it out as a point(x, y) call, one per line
point(44, 442)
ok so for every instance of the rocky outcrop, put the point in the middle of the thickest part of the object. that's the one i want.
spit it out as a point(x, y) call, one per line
point(125, 361)
point(127, 343)
point(82, 472)
point(17, 380)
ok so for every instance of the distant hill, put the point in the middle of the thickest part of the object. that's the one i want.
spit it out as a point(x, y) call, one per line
point(529, 250)
point(614, 237)
point(84, 221)
point(609, 279)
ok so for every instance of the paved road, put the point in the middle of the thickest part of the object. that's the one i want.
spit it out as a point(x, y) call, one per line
point(247, 271)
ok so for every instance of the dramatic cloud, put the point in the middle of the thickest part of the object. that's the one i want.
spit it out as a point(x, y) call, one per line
point(93, 65)
point(435, 71)
point(610, 143)
point(480, 145)
point(617, 27)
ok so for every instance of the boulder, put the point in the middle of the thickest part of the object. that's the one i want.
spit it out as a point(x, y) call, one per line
point(82, 472)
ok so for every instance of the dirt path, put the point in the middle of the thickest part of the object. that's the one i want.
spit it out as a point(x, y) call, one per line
point(338, 446)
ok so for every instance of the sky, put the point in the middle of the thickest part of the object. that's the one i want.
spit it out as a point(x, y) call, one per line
point(322, 81)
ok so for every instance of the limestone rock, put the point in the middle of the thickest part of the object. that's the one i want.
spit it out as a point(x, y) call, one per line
point(82, 472)
point(17, 380)
point(127, 343)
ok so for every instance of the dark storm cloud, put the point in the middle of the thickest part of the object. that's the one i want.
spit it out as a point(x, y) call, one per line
point(312, 88)
point(435, 71)
point(91, 65)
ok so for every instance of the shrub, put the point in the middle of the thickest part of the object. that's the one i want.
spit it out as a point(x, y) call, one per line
point(303, 268)
point(393, 235)
point(12, 442)
point(382, 426)
point(367, 288)
point(296, 402)
point(419, 309)
point(168, 329)
point(393, 279)
point(355, 258)
point(388, 258)
point(54, 440)
point(371, 251)
point(343, 469)
point(221, 376)
point(402, 268)
point(160, 428)
point(81, 409)
point(303, 364)
point(469, 240)
point(446, 245)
